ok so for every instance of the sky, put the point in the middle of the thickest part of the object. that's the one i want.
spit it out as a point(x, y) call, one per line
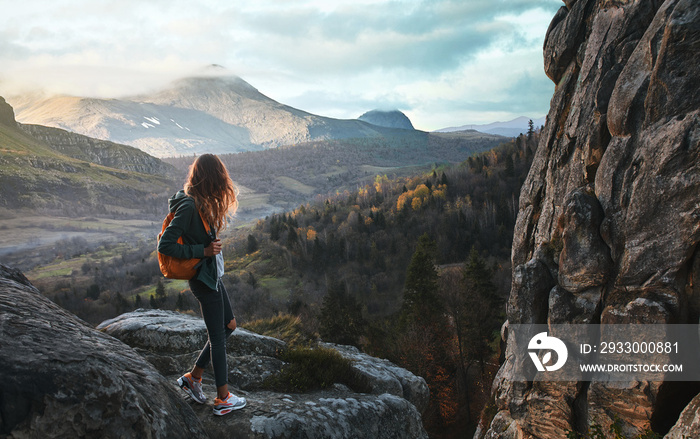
point(442, 62)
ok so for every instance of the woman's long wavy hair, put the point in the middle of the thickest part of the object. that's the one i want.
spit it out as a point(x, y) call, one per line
point(213, 190)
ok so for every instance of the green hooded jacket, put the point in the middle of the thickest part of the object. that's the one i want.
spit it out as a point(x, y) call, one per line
point(188, 224)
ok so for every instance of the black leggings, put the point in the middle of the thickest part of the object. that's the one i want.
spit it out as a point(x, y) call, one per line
point(217, 313)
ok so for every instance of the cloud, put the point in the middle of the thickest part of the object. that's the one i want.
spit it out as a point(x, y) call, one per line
point(441, 60)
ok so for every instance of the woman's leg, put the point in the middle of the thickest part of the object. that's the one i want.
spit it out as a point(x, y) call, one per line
point(229, 318)
point(205, 355)
point(214, 313)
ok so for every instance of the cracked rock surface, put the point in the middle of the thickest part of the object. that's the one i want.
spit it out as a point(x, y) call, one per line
point(609, 219)
point(391, 408)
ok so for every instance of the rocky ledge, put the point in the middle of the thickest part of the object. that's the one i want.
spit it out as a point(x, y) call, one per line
point(390, 408)
point(62, 378)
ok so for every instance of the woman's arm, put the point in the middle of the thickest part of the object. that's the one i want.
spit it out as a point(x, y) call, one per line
point(182, 220)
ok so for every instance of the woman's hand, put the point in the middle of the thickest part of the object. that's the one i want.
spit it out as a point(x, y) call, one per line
point(232, 325)
point(213, 249)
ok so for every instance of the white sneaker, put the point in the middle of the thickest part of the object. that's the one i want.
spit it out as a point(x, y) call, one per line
point(192, 387)
point(231, 403)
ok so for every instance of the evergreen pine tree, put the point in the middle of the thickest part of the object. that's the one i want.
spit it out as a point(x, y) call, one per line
point(481, 307)
point(420, 289)
point(510, 167)
point(160, 291)
point(180, 304)
point(252, 245)
point(341, 318)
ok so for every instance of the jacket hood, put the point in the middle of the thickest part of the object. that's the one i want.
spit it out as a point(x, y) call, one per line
point(178, 199)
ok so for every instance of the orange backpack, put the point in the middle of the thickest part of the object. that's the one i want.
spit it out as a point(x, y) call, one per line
point(177, 268)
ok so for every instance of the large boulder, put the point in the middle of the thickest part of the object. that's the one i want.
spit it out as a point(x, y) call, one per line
point(391, 408)
point(609, 220)
point(62, 378)
point(169, 332)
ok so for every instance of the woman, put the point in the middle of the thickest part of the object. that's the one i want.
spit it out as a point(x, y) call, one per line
point(209, 195)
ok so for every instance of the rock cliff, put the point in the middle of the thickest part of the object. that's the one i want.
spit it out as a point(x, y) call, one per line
point(609, 213)
point(7, 114)
point(62, 378)
point(101, 152)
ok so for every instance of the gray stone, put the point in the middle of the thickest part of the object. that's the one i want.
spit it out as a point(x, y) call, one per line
point(641, 305)
point(382, 376)
point(249, 372)
point(584, 261)
point(688, 425)
point(579, 308)
point(529, 293)
point(62, 378)
point(326, 414)
point(391, 409)
point(170, 332)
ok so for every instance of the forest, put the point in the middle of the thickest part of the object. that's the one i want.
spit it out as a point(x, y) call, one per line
point(414, 269)
point(291, 174)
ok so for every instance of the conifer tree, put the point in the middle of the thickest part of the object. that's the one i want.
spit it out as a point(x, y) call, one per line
point(180, 304)
point(420, 289)
point(160, 291)
point(341, 316)
point(252, 245)
point(481, 307)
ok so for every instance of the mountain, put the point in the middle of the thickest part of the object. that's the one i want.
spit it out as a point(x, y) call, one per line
point(389, 119)
point(156, 129)
point(607, 230)
point(47, 168)
point(101, 152)
point(221, 114)
point(511, 128)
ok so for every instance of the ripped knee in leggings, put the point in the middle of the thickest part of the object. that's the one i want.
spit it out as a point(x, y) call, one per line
point(231, 325)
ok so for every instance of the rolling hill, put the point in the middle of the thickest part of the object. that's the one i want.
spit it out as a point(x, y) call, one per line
point(56, 171)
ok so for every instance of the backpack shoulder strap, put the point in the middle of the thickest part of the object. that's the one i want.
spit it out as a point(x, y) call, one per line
point(205, 222)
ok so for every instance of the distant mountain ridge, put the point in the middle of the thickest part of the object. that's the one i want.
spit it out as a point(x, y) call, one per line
point(219, 114)
point(101, 152)
point(511, 128)
point(48, 168)
point(389, 119)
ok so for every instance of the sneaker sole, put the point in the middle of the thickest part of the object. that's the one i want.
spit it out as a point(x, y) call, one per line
point(227, 410)
point(184, 386)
